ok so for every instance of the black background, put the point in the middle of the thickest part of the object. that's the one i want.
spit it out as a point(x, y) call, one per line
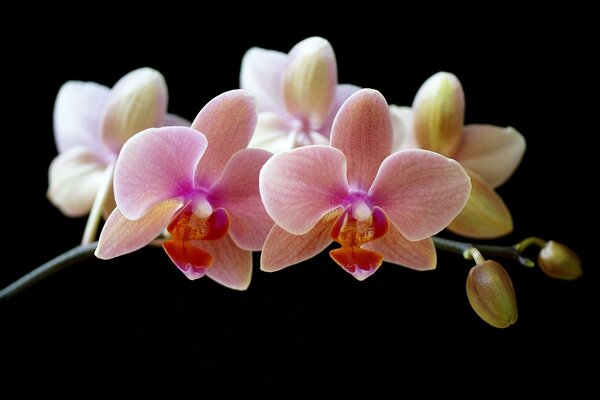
point(135, 326)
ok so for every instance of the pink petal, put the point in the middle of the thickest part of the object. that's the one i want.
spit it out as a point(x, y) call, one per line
point(174, 120)
point(232, 266)
point(402, 125)
point(228, 122)
point(491, 151)
point(77, 113)
point(342, 93)
point(261, 75)
point(155, 165)
point(272, 133)
point(137, 101)
point(485, 215)
point(283, 249)
point(300, 186)
point(439, 111)
point(310, 81)
point(121, 235)
point(396, 249)
point(237, 192)
point(75, 176)
point(420, 191)
point(362, 130)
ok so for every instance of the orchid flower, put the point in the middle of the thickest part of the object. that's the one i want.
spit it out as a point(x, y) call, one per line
point(377, 206)
point(201, 183)
point(297, 94)
point(91, 123)
point(490, 154)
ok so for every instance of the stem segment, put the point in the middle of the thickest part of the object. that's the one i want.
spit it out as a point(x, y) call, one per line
point(91, 227)
point(72, 256)
point(464, 248)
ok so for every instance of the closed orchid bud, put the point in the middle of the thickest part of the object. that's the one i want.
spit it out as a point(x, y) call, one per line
point(559, 261)
point(491, 294)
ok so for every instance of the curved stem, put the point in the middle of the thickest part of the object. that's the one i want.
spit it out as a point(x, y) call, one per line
point(72, 256)
point(91, 227)
point(464, 248)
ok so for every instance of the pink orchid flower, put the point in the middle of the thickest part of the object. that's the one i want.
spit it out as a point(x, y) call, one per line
point(91, 123)
point(201, 183)
point(490, 154)
point(298, 94)
point(377, 206)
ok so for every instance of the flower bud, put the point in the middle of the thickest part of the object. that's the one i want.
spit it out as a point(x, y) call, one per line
point(560, 262)
point(491, 294)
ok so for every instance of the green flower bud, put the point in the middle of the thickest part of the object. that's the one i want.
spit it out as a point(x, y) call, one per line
point(560, 262)
point(491, 294)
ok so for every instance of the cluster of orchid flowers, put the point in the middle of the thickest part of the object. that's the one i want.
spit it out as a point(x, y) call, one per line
point(286, 165)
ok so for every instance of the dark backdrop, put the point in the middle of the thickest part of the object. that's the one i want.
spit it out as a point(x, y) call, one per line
point(136, 326)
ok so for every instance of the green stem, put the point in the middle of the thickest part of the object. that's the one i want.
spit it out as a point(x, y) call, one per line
point(464, 248)
point(91, 227)
point(72, 256)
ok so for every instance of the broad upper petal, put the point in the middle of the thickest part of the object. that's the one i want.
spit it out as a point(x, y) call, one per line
point(420, 191)
point(155, 165)
point(137, 101)
point(77, 112)
point(342, 93)
point(302, 185)
point(492, 152)
point(228, 122)
point(439, 111)
point(261, 75)
point(362, 130)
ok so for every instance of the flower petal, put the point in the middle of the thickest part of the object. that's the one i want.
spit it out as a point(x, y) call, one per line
point(272, 133)
point(137, 101)
point(439, 111)
point(342, 93)
point(302, 185)
point(362, 130)
point(155, 165)
point(237, 192)
point(232, 266)
point(402, 125)
point(491, 151)
point(420, 191)
point(283, 249)
point(174, 120)
point(261, 75)
point(396, 249)
point(77, 113)
point(75, 176)
point(310, 81)
point(228, 122)
point(121, 235)
point(485, 215)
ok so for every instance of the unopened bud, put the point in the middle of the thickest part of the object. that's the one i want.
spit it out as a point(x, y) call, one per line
point(491, 294)
point(559, 261)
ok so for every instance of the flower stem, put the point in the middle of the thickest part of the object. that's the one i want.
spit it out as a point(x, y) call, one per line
point(72, 256)
point(464, 248)
point(91, 227)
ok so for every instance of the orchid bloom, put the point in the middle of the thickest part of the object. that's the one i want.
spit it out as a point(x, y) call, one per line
point(91, 123)
point(201, 183)
point(377, 206)
point(297, 94)
point(490, 154)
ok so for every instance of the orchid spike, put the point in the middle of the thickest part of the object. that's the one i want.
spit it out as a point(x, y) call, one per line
point(201, 184)
point(377, 206)
point(91, 123)
point(490, 154)
point(297, 93)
